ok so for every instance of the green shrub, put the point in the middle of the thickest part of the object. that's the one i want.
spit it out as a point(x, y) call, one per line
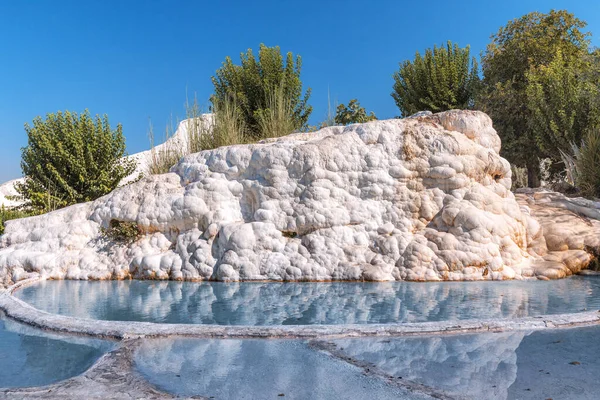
point(278, 118)
point(7, 214)
point(121, 231)
point(251, 83)
point(168, 154)
point(353, 114)
point(70, 159)
point(444, 78)
point(588, 165)
point(519, 177)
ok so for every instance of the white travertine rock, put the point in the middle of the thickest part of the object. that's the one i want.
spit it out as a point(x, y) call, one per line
point(423, 198)
point(7, 190)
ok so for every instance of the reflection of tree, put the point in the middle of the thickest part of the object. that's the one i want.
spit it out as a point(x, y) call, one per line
point(479, 366)
point(310, 303)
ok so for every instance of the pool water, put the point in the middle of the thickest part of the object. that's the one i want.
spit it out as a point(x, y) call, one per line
point(559, 364)
point(29, 357)
point(249, 303)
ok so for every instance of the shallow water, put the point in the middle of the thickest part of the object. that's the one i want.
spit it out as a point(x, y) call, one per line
point(256, 369)
point(249, 303)
point(559, 364)
point(29, 357)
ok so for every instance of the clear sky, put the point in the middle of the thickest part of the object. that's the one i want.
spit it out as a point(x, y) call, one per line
point(135, 60)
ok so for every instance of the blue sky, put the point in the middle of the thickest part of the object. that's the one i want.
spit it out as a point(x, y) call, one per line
point(135, 60)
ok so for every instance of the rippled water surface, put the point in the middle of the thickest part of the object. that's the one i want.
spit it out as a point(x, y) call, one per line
point(29, 357)
point(250, 303)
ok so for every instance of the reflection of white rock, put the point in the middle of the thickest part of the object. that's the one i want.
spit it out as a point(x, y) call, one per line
point(471, 366)
point(416, 199)
point(255, 369)
point(306, 303)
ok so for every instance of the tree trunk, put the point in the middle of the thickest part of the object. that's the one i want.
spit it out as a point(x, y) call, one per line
point(533, 175)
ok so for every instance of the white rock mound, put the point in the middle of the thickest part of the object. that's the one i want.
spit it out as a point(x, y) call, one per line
point(7, 190)
point(425, 198)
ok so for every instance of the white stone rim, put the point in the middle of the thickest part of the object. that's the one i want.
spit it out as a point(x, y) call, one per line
point(22, 312)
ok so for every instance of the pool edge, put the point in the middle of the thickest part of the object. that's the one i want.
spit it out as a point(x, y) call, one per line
point(21, 311)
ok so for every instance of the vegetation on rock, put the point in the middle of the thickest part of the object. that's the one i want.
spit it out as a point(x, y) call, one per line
point(121, 231)
point(71, 158)
point(445, 78)
point(6, 214)
point(588, 165)
point(353, 113)
point(252, 84)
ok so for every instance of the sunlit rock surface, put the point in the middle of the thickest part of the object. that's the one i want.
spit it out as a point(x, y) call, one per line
point(7, 191)
point(571, 229)
point(423, 198)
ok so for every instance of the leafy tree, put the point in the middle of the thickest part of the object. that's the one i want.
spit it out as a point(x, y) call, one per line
point(522, 46)
point(444, 78)
point(588, 164)
point(70, 159)
point(562, 98)
point(251, 86)
point(352, 114)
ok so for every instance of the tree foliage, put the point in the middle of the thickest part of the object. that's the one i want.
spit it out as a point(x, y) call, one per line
point(522, 54)
point(587, 163)
point(352, 114)
point(562, 98)
point(251, 85)
point(444, 78)
point(70, 159)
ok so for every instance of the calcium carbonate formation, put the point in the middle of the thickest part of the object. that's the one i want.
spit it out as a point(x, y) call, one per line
point(421, 198)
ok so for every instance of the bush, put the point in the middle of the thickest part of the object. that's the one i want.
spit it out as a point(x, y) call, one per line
point(228, 127)
point(251, 84)
point(353, 114)
point(278, 118)
point(121, 231)
point(588, 165)
point(166, 155)
point(443, 79)
point(163, 157)
point(70, 159)
point(6, 214)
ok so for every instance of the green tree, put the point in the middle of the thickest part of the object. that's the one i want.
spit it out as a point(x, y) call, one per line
point(588, 164)
point(70, 159)
point(352, 114)
point(562, 98)
point(252, 84)
point(444, 78)
point(522, 46)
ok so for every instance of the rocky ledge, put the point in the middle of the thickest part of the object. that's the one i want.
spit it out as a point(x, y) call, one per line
point(421, 198)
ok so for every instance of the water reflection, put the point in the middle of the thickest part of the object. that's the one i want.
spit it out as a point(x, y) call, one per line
point(311, 303)
point(559, 364)
point(465, 366)
point(255, 369)
point(31, 358)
